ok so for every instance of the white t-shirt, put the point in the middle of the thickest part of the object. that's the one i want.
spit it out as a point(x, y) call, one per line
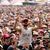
point(26, 36)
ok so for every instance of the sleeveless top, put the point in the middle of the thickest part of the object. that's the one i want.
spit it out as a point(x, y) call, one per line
point(26, 36)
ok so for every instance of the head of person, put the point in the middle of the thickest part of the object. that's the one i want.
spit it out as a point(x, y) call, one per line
point(26, 45)
point(41, 42)
point(41, 33)
point(48, 44)
point(25, 22)
point(37, 42)
point(18, 31)
point(5, 38)
point(42, 47)
point(12, 41)
point(44, 27)
point(35, 35)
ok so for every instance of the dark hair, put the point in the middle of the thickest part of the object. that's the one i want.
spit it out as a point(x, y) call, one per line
point(37, 42)
point(25, 20)
point(11, 41)
point(39, 37)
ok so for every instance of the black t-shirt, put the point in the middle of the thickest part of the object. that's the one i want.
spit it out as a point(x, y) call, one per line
point(10, 48)
point(5, 47)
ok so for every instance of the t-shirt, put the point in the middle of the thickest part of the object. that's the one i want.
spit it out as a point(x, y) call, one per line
point(26, 36)
point(5, 46)
point(10, 48)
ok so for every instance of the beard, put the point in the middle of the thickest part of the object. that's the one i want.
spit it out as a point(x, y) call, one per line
point(25, 25)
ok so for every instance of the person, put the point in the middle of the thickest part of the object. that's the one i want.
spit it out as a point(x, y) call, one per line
point(18, 32)
point(26, 32)
point(26, 46)
point(5, 38)
point(13, 44)
point(39, 45)
point(34, 38)
point(49, 45)
point(42, 47)
point(11, 47)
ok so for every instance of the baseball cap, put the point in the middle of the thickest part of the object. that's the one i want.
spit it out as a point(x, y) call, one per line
point(6, 35)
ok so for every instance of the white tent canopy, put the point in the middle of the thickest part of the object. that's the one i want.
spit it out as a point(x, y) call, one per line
point(5, 2)
point(17, 3)
point(13, 2)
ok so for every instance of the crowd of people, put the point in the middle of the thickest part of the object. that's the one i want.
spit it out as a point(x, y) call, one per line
point(24, 27)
